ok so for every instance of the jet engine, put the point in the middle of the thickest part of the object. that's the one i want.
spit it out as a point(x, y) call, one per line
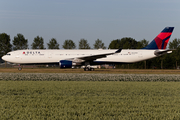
point(65, 64)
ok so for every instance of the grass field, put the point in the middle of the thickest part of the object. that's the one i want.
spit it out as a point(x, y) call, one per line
point(89, 100)
point(101, 94)
point(109, 71)
point(89, 77)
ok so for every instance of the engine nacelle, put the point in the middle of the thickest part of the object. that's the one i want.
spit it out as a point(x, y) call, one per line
point(65, 64)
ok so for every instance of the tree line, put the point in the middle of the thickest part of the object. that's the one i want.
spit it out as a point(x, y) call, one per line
point(167, 61)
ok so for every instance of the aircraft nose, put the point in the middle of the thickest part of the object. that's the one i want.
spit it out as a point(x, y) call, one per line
point(4, 58)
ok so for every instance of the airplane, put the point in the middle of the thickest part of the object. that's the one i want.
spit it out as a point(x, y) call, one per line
point(88, 58)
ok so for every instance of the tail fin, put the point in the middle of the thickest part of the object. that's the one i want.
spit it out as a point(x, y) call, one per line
point(161, 41)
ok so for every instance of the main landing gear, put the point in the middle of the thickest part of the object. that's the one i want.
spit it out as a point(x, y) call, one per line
point(88, 69)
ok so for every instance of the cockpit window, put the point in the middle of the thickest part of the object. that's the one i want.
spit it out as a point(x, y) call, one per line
point(8, 54)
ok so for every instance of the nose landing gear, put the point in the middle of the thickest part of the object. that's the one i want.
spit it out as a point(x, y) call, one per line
point(20, 68)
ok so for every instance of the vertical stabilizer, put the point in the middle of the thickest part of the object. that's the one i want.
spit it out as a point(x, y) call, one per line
point(161, 41)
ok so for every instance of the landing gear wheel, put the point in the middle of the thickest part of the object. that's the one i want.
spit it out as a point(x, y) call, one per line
point(86, 69)
point(19, 68)
point(91, 69)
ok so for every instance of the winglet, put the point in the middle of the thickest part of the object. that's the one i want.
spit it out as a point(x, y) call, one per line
point(118, 51)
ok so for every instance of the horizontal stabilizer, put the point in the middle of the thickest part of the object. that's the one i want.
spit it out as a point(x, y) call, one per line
point(159, 53)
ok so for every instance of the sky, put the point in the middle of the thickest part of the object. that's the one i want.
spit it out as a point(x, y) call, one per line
point(106, 20)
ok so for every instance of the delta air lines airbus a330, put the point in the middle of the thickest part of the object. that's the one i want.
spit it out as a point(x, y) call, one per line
point(88, 58)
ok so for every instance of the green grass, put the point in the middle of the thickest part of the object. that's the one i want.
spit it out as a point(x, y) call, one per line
point(89, 100)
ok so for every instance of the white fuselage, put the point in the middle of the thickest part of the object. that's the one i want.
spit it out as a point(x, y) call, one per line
point(52, 56)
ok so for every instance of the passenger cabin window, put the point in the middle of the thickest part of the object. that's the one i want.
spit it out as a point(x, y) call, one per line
point(8, 54)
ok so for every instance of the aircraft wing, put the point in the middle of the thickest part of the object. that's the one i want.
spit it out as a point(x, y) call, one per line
point(93, 57)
